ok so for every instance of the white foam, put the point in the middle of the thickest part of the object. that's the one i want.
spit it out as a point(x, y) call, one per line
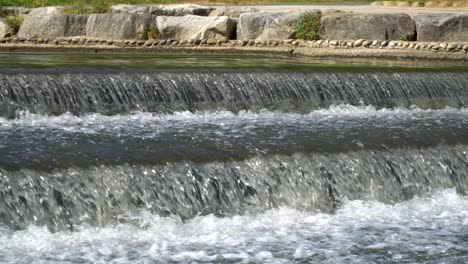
point(426, 228)
point(96, 123)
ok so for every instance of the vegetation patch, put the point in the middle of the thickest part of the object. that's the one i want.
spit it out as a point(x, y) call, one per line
point(14, 22)
point(308, 26)
point(88, 7)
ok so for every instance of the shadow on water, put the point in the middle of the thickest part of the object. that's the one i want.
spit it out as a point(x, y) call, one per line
point(60, 62)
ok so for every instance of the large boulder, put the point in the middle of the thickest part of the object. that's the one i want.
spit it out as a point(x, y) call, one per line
point(48, 10)
point(15, 10)
point(266, 26)
point(442, 27)
point(233, 11)
point(367, 26)
point(163, 10)
point(5, 30)
point(195, 27)
point(118, 26)
point(53, 25)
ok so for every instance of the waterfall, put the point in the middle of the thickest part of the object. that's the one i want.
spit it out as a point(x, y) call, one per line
point(165, 92)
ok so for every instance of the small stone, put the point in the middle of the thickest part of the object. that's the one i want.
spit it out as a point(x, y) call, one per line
point(244, 43)
point(452, 46)
point(358, 43)
point(174, 42)
point(406, 45)
point(366, 43)
point(288, 41)
point(384, 43)
point(110, 42)
point(251, 42)
point(149, 43)
point(465, 47)
point(211, 42)
point(334, 43)
point(197, 41)
point(203, 42)
point(443, 46)
point(376, 43)
point(392, 44)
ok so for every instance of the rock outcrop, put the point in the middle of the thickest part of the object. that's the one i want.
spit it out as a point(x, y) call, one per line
point(267, 26)
point(48, 10)
point(163, 10)
point(442, 27)
point(4, 28)
point(118, 26)
point(367, 26)
point(15, 10)
point(233, 11)
point(51, 25)
point(195, 27)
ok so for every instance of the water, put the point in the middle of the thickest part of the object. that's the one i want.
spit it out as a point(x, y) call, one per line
point(166, 92)
point(271, 164)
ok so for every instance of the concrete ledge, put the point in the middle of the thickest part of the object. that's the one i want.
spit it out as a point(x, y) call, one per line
point(285, 49)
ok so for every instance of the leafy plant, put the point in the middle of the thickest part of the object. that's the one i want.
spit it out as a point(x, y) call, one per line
point(14, 22)
point(308, 26)
point(153, 32)
point(403, 38)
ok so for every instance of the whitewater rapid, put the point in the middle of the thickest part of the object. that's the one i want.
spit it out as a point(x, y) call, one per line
point(430, 229)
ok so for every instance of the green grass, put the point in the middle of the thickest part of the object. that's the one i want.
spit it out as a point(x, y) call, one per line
point(308, 26)
point(14, 22)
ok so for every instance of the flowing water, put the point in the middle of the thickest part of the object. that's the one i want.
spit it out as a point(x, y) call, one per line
point(229, 165)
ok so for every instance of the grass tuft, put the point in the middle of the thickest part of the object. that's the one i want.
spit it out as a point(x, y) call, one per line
point(308, 26)
point(14, 22)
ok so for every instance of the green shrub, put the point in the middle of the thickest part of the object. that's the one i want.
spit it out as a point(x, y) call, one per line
point(153, 32)
point(308, 26)
point(14, 22)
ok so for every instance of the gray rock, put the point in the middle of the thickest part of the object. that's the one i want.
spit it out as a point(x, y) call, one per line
point(118, 26)
point(367, 26)
point(131, 9)
point(4, 29)
point(195, 27)
point(265, 26)
point(442, 27)
point(15, 10)
point(233, 11)
point(53, 25)
point(163, 10)
point(48, 10)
